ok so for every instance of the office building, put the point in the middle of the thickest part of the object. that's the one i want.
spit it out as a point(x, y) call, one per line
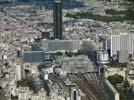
point(122, 42)
point(33, 56)
point(115, 45)
point(20, 72)
point(57, 18)
point(60, 45)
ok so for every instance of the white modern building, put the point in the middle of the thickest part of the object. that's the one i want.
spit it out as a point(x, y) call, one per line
point(102, 57)
point(20, 71)
point(122, 42)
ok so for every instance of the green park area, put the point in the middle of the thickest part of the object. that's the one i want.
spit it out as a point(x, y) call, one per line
point(121, 86)
point(14, 97)
point(27, 82)
point(111, 15)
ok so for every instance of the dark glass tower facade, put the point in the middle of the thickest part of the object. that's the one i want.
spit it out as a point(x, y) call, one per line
point(57, 18)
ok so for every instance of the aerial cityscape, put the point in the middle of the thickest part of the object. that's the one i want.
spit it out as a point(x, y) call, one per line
point(66, 49)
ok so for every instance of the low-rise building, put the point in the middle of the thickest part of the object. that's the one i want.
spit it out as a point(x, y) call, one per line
point(77, 64)
point(103, 57)
point(23, 93)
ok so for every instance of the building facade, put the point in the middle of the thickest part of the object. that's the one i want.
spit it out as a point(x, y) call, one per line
point(57, 18)
point(60, 45)
point(122, 42)
point(102, 57)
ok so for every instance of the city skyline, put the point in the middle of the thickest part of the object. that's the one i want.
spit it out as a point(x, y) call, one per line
point(66, 50)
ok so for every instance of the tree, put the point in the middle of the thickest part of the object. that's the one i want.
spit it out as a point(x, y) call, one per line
point(69, 54)
point(14, 97)
point(115, 79)
point(58, 53)
point(27, 82)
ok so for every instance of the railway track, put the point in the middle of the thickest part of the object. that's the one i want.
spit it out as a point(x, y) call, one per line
point(89, 85)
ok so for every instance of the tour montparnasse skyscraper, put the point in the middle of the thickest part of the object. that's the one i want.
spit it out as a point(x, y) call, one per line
point(57, 18)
